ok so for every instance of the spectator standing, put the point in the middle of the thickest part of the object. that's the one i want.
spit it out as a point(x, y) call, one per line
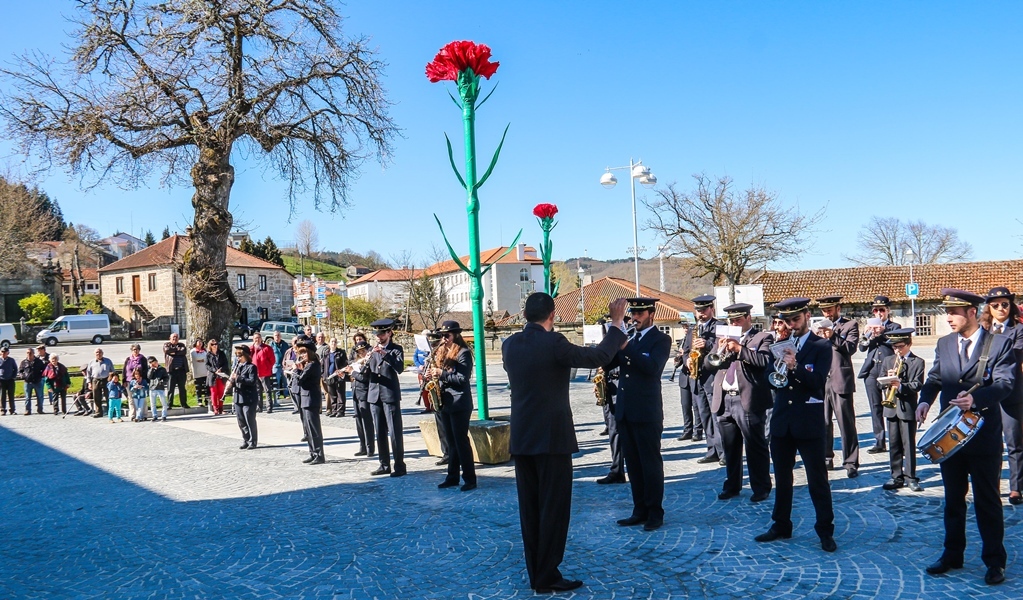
point(337, 360)
point(262, 357)
point(175, 356)
point(114, 392)
point(135, 362)
point(57, 381)
point(8, 375)
point(197, 362)
point(98, 373)
point(138, 386)
point(31, 372)
point(280, 347)
point(158, 381)
point(217, 371)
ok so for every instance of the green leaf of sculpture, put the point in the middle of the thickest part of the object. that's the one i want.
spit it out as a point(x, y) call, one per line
point(451, 158)
point(493, 161)
point(454, 255)
point(503, 254)
point(487, 97)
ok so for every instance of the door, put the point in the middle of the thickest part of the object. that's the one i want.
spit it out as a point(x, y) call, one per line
point(136, 288)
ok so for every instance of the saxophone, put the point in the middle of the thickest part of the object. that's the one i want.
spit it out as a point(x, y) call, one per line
point(889, 395)
point(431, 385)
point(600, 387)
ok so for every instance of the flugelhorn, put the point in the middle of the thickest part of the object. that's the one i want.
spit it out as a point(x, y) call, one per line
point(889, 395)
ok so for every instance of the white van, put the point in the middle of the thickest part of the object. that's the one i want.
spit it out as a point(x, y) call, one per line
point(76, 328)
point(7, 336)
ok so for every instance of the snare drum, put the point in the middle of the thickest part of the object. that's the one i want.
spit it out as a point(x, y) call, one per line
point(949, 432)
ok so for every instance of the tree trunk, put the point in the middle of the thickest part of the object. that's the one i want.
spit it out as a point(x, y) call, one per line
point(209, 300)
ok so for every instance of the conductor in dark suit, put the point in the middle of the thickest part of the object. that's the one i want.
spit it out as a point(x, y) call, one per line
point(797, 425)
point(639, 413)
point(539, 362)
point(740, 402)
point(876, 346)
point(386, 362)
point(902, 417)
point(844, 336)
point(1001, 316)
point(309, 373)
point(957, 368)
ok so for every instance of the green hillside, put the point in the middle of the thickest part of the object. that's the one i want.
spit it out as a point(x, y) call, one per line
point(321, 269)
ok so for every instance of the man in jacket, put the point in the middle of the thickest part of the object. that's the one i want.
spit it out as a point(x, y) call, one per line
point(699, 338)
point(337, 359)
point(175, 356)
point(386, 362)
point(797, 425)
point(844, 337)
point(539, 362)
point(8, 376)
point(97, 373)
point(967, 357)
point(877, 347)
point(263, 359)
point(740, 402)
point(31, 372)
point(902, 417)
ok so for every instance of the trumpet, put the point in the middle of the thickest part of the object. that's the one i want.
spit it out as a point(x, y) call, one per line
point(889, 396)
point(779, 378)
point(716, 359)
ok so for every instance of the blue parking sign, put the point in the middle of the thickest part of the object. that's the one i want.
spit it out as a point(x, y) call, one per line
point(912, 290)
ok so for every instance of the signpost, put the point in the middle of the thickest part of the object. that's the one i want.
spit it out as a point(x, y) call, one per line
point(912, 290)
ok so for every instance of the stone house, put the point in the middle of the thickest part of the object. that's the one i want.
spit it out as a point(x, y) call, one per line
point(29, 278)
point(145, 289)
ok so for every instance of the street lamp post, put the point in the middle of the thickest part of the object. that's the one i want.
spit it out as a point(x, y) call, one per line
point(582, 293)
point(637, 170)
point(344, 313)
point(912, 301)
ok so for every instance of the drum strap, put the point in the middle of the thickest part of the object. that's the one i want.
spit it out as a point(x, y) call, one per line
point(985, 351)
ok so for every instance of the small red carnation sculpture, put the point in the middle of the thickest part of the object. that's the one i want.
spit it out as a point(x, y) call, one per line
point(545, 211)
point(455, 57)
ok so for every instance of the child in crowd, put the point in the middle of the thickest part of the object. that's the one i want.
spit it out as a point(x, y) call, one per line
point(114, 392)
point(139, 393)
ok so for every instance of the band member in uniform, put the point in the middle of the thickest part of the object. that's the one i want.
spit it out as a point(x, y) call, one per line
point(386, 362)
point(740, 402)
point(957, 368)
point(246, 396)
point(875, 344)
point(844, 336)
point(797, 425)
point(605, 394)
point(309, 374)
point(538, 362)
point(698, 341)
point(452, 368)
point(357, 373)
point(685, 392)
point(901, 417)
point(1001, 316)
point(639, 413)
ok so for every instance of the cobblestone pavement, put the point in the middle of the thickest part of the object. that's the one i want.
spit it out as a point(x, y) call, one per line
point(174, 510)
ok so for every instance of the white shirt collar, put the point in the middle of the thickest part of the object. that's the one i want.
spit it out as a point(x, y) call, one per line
point(973, 341)
point(640, 334)
point(802, 340)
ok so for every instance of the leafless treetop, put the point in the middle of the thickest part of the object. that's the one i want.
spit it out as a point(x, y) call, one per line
point(884, 241)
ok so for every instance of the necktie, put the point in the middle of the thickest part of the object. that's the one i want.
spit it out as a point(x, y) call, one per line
point(963, 356)
point(999, 328)
point(730, 375)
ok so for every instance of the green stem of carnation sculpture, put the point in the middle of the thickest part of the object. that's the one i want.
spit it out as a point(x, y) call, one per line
point(544, 214)
point(466, 63)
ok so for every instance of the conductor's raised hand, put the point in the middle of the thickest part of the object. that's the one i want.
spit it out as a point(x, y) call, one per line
point(617, 312)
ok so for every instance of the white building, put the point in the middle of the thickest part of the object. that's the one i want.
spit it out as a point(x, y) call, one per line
point(505, 286)
point(389, 287)
point(121, 244)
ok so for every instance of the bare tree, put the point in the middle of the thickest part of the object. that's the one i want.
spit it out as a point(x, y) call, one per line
point(22, 220)
point(174, 87)
point(885, 240)
point(307, 239)
point(718, 231)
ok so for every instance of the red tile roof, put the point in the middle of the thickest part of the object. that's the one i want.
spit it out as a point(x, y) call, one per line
point(861, 284)
point(87, 274)
point(169, 252)
point(486, 257)
point(388, 275)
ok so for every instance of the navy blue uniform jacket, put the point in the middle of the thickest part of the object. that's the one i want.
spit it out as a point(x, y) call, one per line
point(455, 391)
point(799, 407)
point(640, 366)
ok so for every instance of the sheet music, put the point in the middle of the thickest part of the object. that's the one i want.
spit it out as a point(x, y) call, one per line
point(778, 349)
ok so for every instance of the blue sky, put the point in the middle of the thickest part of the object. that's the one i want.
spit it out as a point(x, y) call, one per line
point(908, 109)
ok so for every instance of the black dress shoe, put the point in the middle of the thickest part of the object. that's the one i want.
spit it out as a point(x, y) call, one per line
point(653, 523)
point(706, 460)
point(876, 450)
point(698, 437)
point(605, 432)
point(943, 565)
point(828, 544)
point(760, 497)
point(319, 460)
point(397, 473)
point(447, 484)
point(565, 585)
point(252, 446)
point(309, 460)
point(609, 478)
point(772, 534)
point(443, 461)
point(685, 436)
point(1015, 500)
point(468, 487)
point(727, 495)
point(381, 471)
point(244, 446)
point(295, 412)
point(852, 472)
point(360, 453)
point(994, 575)
point(893, 484)
point(305, 438)
point(914, 485)
point(633, 520)
point(722, 462)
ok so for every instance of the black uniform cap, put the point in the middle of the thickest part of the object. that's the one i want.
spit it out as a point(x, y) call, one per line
point(900, 335)
point(791, 306)
point(1000, 292)
point(881, 301)
point(738, 309)
point(382, 325)
point(952, 297)
point(642, 303)
point(829, 301)
point(703, 301)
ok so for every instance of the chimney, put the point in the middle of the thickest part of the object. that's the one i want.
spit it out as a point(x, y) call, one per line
point(188, 231)
point(520, 252)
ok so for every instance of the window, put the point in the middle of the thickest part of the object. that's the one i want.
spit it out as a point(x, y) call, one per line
point(119, 285)
point(523, 274)
point(262, 283)
point(152, 282)
point(923, 325)
point(241, 281)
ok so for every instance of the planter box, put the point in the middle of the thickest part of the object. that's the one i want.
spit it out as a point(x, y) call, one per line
point(490, 440)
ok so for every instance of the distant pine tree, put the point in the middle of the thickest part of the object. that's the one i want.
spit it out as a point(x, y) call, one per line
point(271, 252)
point(165, 234)
point(149, 239)
point(248, 247)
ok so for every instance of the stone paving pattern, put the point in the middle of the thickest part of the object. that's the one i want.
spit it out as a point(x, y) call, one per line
point(174, 510)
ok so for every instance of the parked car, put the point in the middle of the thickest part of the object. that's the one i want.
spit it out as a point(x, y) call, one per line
point(241, 330)
point(288, 330)
point(7, 335)
point(76, 328)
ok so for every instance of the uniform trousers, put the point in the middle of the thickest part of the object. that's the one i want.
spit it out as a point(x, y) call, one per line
point(387, 421)
point(877, 420)
point(984, 472)
point(364, 427)
point(641, 447)
point(617, 465)
point(313, 431)
point(701, 405)
point(544, 486)
point(783, 453)
point(456, 431)
point(841, 407)
point(902, 448)
point(1012, 428)
point(442, 435)
point(685, 395)
point(245, 414)
point(738, 426)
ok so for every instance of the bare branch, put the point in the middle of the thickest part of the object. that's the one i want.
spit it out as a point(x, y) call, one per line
point(885, 241)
